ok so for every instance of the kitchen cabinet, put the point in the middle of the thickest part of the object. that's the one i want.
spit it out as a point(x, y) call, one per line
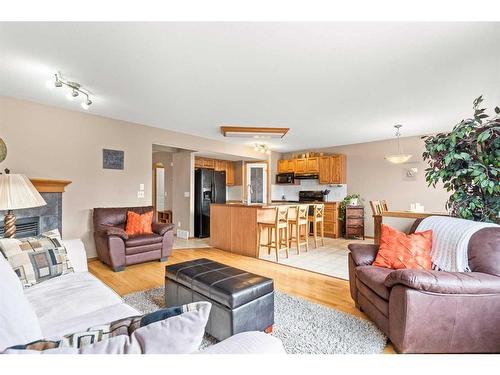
point(229, 173)
point(312, 165)
point(331, 219)
point(283, 166)
point(300, 165)
point(209, 163)
point(338, 169)
point(331, 169)
point(220, 165)
point(325, 169)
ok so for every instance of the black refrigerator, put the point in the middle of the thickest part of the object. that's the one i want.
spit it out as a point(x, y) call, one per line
point(209, 187)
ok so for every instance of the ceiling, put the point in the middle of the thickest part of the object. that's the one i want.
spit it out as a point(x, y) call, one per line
point(331, 83)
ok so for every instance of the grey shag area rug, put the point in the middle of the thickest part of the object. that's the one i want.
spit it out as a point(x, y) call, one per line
point(303, 327)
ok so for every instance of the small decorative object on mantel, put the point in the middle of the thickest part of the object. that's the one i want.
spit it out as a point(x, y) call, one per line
point(3, 150)
point(113, 159)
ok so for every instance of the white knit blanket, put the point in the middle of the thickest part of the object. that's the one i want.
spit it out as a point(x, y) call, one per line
point(450, 241)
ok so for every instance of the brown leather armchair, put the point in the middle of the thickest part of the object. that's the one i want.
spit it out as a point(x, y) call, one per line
point(117, 249)
point(433, 311)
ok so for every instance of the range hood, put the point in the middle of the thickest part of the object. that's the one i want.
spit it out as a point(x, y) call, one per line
point(306, 176)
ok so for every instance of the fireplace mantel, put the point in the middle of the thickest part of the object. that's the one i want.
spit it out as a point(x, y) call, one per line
point(44, 185)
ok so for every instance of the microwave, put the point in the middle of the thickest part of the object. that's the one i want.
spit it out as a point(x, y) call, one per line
point(285, 178)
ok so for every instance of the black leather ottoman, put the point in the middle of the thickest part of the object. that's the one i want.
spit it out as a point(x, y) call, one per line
point(241, 301)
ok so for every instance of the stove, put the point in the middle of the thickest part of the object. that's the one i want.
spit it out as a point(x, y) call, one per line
point(311, 196)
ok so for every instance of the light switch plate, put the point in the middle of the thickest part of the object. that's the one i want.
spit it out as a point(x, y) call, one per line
point(140, 194)
point(186, 194)
point(141, 187)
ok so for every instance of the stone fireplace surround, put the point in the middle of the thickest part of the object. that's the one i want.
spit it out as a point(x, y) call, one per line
point(50, 215)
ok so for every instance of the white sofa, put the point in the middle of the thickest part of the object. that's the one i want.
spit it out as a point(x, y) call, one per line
point(76, 301)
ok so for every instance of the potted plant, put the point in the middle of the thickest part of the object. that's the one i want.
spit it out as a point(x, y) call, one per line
point(467, 161)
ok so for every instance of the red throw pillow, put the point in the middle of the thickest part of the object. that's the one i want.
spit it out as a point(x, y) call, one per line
point(139, 224)
point(399, 250)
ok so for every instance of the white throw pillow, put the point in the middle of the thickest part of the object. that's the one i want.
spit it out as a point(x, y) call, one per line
point(175, 330)
point(18, 322)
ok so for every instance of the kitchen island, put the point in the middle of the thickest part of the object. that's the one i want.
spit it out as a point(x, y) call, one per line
point(233, 226)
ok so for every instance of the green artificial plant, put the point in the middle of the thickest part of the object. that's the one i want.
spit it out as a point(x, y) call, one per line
point(467, 162)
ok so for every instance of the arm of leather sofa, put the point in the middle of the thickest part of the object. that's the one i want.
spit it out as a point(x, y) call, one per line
point(161, 228)
point(445, 282)
point(363, 254)
point(110, 230)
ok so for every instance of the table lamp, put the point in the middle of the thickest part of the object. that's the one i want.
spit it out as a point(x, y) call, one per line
point(16, 192)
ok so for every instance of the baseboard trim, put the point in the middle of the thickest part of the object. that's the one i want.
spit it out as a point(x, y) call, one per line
point(92, 259)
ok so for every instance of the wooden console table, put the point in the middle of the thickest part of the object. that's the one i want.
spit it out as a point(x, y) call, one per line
point(377, 219)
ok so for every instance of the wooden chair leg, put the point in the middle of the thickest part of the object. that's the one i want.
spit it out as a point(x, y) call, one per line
point(307, 238)
point(286, 240)
point(297, 237)
point(269, 240)
point(259, 229)
point(315, 233)
point(277, 242)
point(322, 233)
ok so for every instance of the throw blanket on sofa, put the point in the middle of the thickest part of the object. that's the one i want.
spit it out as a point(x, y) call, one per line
point(450, 241)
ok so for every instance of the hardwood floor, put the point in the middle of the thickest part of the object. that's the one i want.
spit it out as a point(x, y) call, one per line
point(312, 286)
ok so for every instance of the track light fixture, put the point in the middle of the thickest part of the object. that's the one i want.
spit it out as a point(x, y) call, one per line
point(76, 90)
point(261, 147)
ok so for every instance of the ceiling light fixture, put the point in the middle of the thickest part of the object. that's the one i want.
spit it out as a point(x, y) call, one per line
point(400, 157)
point(253, 132)
point(76, 90)
point(261, 147)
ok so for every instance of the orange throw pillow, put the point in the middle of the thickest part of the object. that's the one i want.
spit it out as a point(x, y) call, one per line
point(399, 250)
point(139, 224)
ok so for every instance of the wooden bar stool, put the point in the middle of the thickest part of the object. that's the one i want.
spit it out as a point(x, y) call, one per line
point(317, 219)
point(300, 222)
point(278, 241)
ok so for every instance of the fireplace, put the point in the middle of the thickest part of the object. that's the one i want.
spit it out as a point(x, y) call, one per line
point(33, 221)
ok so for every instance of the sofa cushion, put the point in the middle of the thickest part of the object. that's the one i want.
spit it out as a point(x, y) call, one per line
point(37, 259)
point(18, 322)
point(69, 296)
point(399, 250)
point(374, 278)
point(174, 330)
point(143, 239)
point(139, 223)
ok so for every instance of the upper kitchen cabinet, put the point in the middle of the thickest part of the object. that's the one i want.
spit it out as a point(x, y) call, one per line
point(221, 166)
point(338, 169)
point(300, 165)
point(282, 166)
point(331, 169)
point(312, 165)
point(325, 166)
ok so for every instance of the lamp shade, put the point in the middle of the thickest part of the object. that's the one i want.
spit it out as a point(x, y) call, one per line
point(17, 191)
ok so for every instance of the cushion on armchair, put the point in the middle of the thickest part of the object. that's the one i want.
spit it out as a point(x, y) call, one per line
point(139, 223)
point(174, 330)
point(399, 250)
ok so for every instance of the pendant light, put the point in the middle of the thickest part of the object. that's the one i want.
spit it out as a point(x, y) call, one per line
point(400, 157)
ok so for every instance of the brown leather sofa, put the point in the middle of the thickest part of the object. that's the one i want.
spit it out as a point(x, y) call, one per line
point(117, 249)
point(433, 311)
